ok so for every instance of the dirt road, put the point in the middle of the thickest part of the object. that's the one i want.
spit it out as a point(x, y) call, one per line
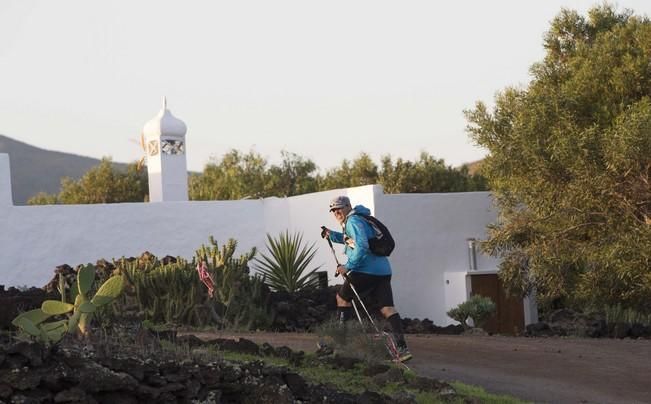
point(543, 370)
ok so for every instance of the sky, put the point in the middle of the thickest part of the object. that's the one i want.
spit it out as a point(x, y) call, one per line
point(326, 80)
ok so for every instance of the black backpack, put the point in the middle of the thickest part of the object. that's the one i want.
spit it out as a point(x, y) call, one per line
point(382, 244)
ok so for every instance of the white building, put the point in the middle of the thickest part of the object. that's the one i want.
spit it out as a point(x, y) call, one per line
point(431, 263)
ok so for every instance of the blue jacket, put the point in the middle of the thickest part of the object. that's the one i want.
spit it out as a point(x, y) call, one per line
point(360, 257)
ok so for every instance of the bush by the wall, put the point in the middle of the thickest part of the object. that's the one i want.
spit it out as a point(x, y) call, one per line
point(478, 308)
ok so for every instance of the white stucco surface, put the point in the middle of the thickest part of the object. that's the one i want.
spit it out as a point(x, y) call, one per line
point(430, 232)
point(455, 291)
point(6, 199)
point(165, 124)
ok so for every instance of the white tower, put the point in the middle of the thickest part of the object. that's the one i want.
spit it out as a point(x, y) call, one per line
point(164, 138)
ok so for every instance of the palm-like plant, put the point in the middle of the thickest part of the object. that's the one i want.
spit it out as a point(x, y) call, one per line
point(284, 269)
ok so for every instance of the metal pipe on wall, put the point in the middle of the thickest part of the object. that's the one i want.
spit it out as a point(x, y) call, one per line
point(472, 253)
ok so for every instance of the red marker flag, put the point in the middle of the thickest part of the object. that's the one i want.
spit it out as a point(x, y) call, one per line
point(205, 277)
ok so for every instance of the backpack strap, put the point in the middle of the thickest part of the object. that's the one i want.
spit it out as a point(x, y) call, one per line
point(369, 219)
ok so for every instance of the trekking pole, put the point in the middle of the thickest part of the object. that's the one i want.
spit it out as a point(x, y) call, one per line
point(336, 274)
point(389, 341)
point(359, 299)
point(331, 247)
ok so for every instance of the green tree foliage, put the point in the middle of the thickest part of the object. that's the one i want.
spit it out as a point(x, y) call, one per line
point(101, 184)
point(238, 176)
point(294, 176)
point(427, 175)
point(244, 176)
point(361, 171)
point(570, 161)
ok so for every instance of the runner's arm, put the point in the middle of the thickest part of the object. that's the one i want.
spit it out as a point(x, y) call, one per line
point(336, 237)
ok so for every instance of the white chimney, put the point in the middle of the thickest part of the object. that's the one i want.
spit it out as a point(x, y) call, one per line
point(164, 138)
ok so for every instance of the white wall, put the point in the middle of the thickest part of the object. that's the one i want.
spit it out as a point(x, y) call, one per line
point(36, 239)
point(6, 198)
point(430, 232)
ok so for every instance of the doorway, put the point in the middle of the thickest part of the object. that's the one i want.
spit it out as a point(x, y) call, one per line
point(509, 314)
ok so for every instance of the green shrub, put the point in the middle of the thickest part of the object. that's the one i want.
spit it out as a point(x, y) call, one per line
point(172, 293)
point(619, 314)
point(478, 308)
point(285, 268)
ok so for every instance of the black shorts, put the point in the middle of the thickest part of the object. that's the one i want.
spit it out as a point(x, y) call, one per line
point(375, 289)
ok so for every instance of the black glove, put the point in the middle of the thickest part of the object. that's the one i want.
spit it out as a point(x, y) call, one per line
point(325, 232)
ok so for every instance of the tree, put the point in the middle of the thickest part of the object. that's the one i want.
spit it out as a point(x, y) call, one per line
point(294, 176)
point(362, 171)
point(427, 175)
point(235, 176)
point(101, 184)
point(569, 165)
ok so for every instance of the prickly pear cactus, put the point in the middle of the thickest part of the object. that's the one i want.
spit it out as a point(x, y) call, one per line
point(81, 311)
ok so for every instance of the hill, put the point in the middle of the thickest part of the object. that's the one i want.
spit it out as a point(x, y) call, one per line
point(34, 170)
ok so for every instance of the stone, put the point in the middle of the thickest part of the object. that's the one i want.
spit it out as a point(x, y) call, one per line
point(371, 397)
point(375, 369)
point(475, 331)
point(73, 394)
point(155, 380)
point(272, 390)
point(283, 352)
point(621, 330)
point(131, 366)
point(426, 384)
point(5, 390)
point(597, 329)
point(297, 385)
point(33, 351)
point(20, 379)
point(638, 330)
point(393, 375)
point(192, 388)
point(267, 349)
point(343, 362)
point(117, 397)
point(404, 397)
point(247, 346)
point(98, 378)
point(296, 358)
point(539, 329)
point(190, 340)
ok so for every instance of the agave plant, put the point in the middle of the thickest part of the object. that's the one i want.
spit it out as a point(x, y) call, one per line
point(285, 268)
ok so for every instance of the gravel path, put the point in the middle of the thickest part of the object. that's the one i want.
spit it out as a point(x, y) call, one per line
point(543, 370)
